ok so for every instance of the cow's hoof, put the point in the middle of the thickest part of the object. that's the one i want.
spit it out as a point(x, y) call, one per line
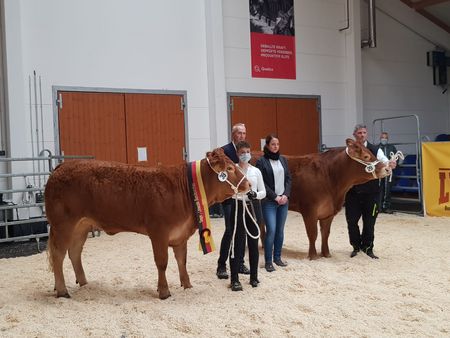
point(326, 255)
point(63, 295)
point(81, 283)
point(313, 257)
point(164, 295)
point(187, 285)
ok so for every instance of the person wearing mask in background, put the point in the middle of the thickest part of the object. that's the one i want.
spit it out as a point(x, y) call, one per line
point(385, 185)
point(277, 180)
point(362, 200)
point(256, 193)
point(238, 133)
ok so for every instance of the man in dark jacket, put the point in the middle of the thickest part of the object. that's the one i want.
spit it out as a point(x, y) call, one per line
point(362, 201)
point(385, 185)
point(238, 133)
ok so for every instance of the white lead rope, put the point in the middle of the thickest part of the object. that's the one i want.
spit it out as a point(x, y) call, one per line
point(395, 157)
point(244, 210)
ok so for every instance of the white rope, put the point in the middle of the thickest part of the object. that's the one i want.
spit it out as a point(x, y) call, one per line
point(254, 222)
point(395, 157)
point(244, 210)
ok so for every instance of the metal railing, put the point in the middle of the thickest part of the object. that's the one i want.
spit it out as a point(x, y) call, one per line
point(415, 192)
point(24, 219)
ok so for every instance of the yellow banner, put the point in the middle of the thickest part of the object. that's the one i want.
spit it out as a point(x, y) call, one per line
point(436, 178)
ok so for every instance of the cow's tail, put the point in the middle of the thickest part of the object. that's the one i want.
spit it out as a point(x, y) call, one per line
point(51, 248)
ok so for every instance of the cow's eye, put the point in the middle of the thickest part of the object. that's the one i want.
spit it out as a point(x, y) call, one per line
point(229, 168)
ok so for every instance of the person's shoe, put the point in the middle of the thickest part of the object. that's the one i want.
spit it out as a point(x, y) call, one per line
point(244, 270)
point(269, 267)
point(222, 272)
point(236, 286)
point(254, 282)
point(279, 262)
point(388, 211)
point(354, 252)
point(369, 252)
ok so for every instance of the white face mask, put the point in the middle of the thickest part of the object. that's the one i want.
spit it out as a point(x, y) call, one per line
point(383, 141)
point(245, 157)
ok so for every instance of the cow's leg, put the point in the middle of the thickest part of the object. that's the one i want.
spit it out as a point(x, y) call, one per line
point(325, 225)
point(180, 252)
point(161, 256)
point(57, 249)
point(78, 239)
point(311, 231)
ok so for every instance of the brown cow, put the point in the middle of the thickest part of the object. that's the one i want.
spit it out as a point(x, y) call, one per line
point(117, 197)
point(320, 182)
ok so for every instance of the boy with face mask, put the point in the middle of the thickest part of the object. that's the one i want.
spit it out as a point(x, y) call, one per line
point(385, 185)
point(257, 192)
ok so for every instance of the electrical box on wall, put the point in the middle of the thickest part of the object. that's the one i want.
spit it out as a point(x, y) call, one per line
point(439, 61)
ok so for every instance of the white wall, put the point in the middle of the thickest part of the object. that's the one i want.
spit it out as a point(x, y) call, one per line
point(203, 47)
point(136, 44)
point(321, 61)
point(396, 79)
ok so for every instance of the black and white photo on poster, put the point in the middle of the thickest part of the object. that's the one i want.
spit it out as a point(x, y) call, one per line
point(272, 17)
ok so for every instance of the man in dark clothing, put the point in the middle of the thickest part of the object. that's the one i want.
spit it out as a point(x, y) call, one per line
point(362, 200)
point(238, 133)
point(385, 185)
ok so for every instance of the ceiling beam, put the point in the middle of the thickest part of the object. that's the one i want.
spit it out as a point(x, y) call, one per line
point(426, 3)
point(435, 20)
point(428, 15)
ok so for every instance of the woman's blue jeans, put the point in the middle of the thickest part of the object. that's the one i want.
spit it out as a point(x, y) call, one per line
point(275, 217)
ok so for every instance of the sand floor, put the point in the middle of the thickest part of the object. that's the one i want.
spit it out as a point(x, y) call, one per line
point(404, 293)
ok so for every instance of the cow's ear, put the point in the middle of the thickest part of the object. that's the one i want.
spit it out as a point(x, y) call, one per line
point(349, 142)
point(216, 158)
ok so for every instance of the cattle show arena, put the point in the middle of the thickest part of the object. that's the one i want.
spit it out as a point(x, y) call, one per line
point(404, 293)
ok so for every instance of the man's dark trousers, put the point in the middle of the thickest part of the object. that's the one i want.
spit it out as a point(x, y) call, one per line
point(359, 204)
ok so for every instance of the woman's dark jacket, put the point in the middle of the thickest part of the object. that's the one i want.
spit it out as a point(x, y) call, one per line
point(263, 164)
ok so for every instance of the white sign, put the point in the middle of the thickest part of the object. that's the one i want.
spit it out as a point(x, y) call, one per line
point(142, 154)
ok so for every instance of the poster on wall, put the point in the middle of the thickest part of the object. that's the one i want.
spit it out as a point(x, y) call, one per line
point(272, 36)
point(436, 178)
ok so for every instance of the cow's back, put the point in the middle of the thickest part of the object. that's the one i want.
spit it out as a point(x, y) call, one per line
point(314, 178)
point(118, 197)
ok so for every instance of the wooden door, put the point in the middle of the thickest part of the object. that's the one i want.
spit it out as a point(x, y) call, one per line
point(92, 124)
point(114, 126)
point(298, 124)
point(296, 121)
point(155, 124)
point(259, 116)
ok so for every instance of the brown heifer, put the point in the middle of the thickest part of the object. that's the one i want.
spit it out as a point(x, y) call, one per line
point(117, 197)
point(320, 182)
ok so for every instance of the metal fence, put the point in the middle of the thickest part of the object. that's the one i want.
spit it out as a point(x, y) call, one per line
point(22, 210)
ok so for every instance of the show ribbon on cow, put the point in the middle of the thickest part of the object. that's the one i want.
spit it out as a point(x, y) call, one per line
point(200, 205)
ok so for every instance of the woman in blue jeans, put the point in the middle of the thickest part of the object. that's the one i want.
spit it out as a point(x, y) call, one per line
point(277, 180)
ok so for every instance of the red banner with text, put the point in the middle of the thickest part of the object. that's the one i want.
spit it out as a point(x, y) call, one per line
point(272, 39)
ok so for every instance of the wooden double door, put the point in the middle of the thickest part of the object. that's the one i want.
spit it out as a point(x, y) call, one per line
point(296, 121)
point(124, 127)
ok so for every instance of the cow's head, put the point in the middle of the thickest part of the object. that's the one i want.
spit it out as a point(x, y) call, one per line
point(222, 177)
point(356, 151)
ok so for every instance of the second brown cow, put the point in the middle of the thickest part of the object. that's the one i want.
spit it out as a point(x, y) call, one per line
point(320, 182)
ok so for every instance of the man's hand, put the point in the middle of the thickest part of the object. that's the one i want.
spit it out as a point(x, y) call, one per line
point(251, 195)
point(393, 164)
